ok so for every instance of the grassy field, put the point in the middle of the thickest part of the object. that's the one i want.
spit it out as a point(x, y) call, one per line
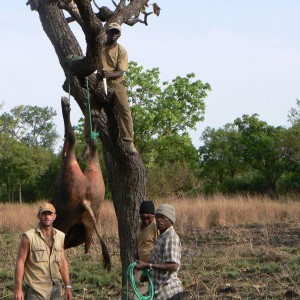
point(233, 248)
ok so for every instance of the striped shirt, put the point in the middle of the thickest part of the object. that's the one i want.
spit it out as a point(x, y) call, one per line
point(167, 249)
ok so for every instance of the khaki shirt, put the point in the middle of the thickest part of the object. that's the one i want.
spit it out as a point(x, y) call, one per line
point(114, 59)
point(145, 239)
point(42, 265)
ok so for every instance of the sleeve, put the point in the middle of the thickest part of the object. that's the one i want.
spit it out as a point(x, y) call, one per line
point(122, 64)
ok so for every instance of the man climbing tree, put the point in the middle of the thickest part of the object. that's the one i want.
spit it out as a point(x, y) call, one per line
point(126, 173)
point(113, 64)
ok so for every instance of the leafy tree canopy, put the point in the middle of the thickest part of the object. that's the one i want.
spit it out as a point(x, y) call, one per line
point(32, 125)
point(164, 112)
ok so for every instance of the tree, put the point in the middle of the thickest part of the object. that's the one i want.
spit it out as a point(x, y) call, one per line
point(163, 113)
point(126, 174)
point(31, 125)
point(22, 165)
point(219, 155)
point(294, 113)
point(27, 135)
point(263, 148)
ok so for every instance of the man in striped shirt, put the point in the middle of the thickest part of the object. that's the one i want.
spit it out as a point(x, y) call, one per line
point(165, 259)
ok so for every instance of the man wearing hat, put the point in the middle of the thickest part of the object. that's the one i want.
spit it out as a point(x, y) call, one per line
point(113, 64)
point(147, 232)
point(146, 236)
point(165, 259)
point(41, 261)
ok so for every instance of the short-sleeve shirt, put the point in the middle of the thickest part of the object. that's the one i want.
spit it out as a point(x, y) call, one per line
point(167, 249)
point(114, 59)
point(145, 239)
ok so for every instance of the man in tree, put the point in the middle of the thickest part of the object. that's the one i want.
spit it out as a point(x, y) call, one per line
point(113, 65)
point(41, 260)
point(165, 258)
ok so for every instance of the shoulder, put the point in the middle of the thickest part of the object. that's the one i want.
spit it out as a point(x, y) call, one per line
point(30, 233)
point(59, 233)
point(172, 235)
point(121, 49)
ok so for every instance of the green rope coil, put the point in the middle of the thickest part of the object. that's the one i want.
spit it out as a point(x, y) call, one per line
point(130, 277)
point(70, 59)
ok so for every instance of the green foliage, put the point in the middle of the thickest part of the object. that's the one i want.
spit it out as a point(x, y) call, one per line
point(27, 138)
point(219, 155)
point(250, 156)
point(262, 147)
point(43, 188)
point(22, 165)
point(171, 178)
point(163, 113)
point(32, 125)
point(294, 114)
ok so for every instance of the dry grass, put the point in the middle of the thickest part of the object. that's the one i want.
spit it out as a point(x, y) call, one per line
point(233, 248)
point(195, 212)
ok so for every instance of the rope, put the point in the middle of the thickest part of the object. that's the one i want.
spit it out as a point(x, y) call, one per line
point(130, 277)
point(93, 134)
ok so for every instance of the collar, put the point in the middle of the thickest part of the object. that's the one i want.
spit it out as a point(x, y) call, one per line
point(169, 229)
point(38, 230)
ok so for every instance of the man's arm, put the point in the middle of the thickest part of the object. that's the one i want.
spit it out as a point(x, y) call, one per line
point(170, 266)
point(111, 74)
point(19, 270)
point(64, 271)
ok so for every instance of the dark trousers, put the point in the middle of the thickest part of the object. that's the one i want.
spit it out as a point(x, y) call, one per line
point(31, 294)
point(178, 296)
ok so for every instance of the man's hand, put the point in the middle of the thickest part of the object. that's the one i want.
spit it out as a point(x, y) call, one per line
point(18, 295)
point(141, 265)
point(68, 294)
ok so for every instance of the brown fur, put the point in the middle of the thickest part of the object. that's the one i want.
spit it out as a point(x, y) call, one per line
point(78, 196)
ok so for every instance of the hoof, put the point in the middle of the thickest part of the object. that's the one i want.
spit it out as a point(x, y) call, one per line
point(65, 104)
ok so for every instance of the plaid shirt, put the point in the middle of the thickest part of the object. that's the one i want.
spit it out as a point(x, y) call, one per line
point(167, 249)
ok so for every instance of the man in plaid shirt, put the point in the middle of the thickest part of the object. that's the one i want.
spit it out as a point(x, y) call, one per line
point(165, 258)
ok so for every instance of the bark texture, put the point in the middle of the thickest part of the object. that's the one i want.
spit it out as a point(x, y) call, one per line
point(126, 173)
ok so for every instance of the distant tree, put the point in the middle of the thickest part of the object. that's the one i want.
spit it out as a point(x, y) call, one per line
point(219, 155)
point(293, 133)
point(21, 165)
point(27, 138)
point(43, 187)
point(294, 113)
point(262, 147)
point(32, 125)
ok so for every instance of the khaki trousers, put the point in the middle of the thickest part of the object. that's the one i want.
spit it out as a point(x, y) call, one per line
point(123, 113)
point(123, 116)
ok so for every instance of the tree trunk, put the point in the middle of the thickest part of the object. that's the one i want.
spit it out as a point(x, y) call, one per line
point(20, 194)
point(126, 173)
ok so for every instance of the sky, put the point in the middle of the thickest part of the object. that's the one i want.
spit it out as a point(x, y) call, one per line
point(248, 51)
